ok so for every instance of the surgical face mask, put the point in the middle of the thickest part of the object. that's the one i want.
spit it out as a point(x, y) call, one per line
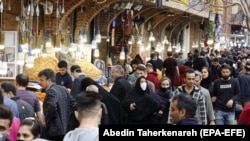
point(2, 137)
point(143, 86)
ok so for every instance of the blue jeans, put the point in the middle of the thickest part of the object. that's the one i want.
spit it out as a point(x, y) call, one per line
point(224, 118)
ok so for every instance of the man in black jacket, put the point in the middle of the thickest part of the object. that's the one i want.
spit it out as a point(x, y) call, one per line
point(121, 86)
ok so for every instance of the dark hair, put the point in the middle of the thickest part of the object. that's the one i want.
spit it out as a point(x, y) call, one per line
point(185, 101)
point(62, 64)
point(48, 74)
point(86, 82)
point(188, 70)
point(8, 87)
point(34, 124)
point(216, 59)
point(136, 61)
point(137, 56)
point(141, 67)
point(169, 53)
point(6, 113)
point(152, 55)
point(225, 66)
point(88, 102)
point(76, 68)
point(22, 79)
point(1, 97)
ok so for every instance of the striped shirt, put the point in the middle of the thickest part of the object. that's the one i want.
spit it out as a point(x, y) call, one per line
point(201, 113)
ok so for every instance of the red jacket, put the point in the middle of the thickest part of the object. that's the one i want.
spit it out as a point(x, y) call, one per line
point(179, 80)
point(152, 76)
point(244, 118)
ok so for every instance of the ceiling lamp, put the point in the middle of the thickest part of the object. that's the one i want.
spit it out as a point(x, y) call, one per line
point(98, 36)
point(165, 41)
point(44, 52)
point(20, 55)
point(72, 47)
point(3, 66)
point(96, 52)
point(63, 11)
point(139, 42)
point(30, 60)
point(93, 43)
point(84, 36)
point(98, 31)
point(151, 37)
point(122, 54)
point(57, 41)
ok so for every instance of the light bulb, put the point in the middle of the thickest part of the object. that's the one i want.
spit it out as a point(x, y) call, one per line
point(30, 60)
point(98, 36)
point(122, 54)
point(20, 56)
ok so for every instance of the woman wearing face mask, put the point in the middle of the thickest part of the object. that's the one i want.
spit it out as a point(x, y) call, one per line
point(140, 105)
point(163, 95)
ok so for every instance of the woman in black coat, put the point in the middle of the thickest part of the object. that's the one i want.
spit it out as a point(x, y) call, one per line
point(140, 105)
point(113, 105)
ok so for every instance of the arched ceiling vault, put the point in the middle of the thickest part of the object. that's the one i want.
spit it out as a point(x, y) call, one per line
point(94, 7)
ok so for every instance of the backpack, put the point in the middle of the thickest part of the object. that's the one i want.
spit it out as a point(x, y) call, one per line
point(25, 109)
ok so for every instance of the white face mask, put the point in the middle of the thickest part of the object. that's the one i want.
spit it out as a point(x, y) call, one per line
point(143, 86)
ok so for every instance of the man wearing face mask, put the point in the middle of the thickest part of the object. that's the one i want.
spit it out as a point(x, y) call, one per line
point(140, 106)
point(225, 92)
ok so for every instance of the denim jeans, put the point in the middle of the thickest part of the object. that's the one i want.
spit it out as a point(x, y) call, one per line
point(224, 118)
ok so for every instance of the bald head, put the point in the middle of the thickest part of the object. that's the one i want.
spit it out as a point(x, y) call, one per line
point(92, 88)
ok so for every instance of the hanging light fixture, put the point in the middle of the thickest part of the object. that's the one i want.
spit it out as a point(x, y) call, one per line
point(122, 54)
point(96, 52)
point(170, 48)
point(48, 42)
point(84, 36)
point(71, 44)
point(151, 37)
point(57, 41)
point(20, 55)
point(30, 60)
point(98, 36)
point(131, 40)
point(93, 43)
point(98, 31)
point(139, 42)
point(44, 51)
point(2, 35)
point(63, 11)
point(165, 41)
point(4, 66)
point(108, 38)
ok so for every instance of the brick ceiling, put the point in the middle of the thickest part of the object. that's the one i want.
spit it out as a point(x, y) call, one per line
point(93, 7)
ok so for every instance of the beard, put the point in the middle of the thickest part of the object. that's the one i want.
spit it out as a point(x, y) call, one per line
point(225, 77)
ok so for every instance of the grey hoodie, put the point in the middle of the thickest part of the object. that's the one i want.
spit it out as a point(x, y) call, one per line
point(82, 134)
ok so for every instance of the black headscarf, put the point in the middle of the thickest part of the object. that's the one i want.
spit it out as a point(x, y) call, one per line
point(138, 88)
point(112, 103)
